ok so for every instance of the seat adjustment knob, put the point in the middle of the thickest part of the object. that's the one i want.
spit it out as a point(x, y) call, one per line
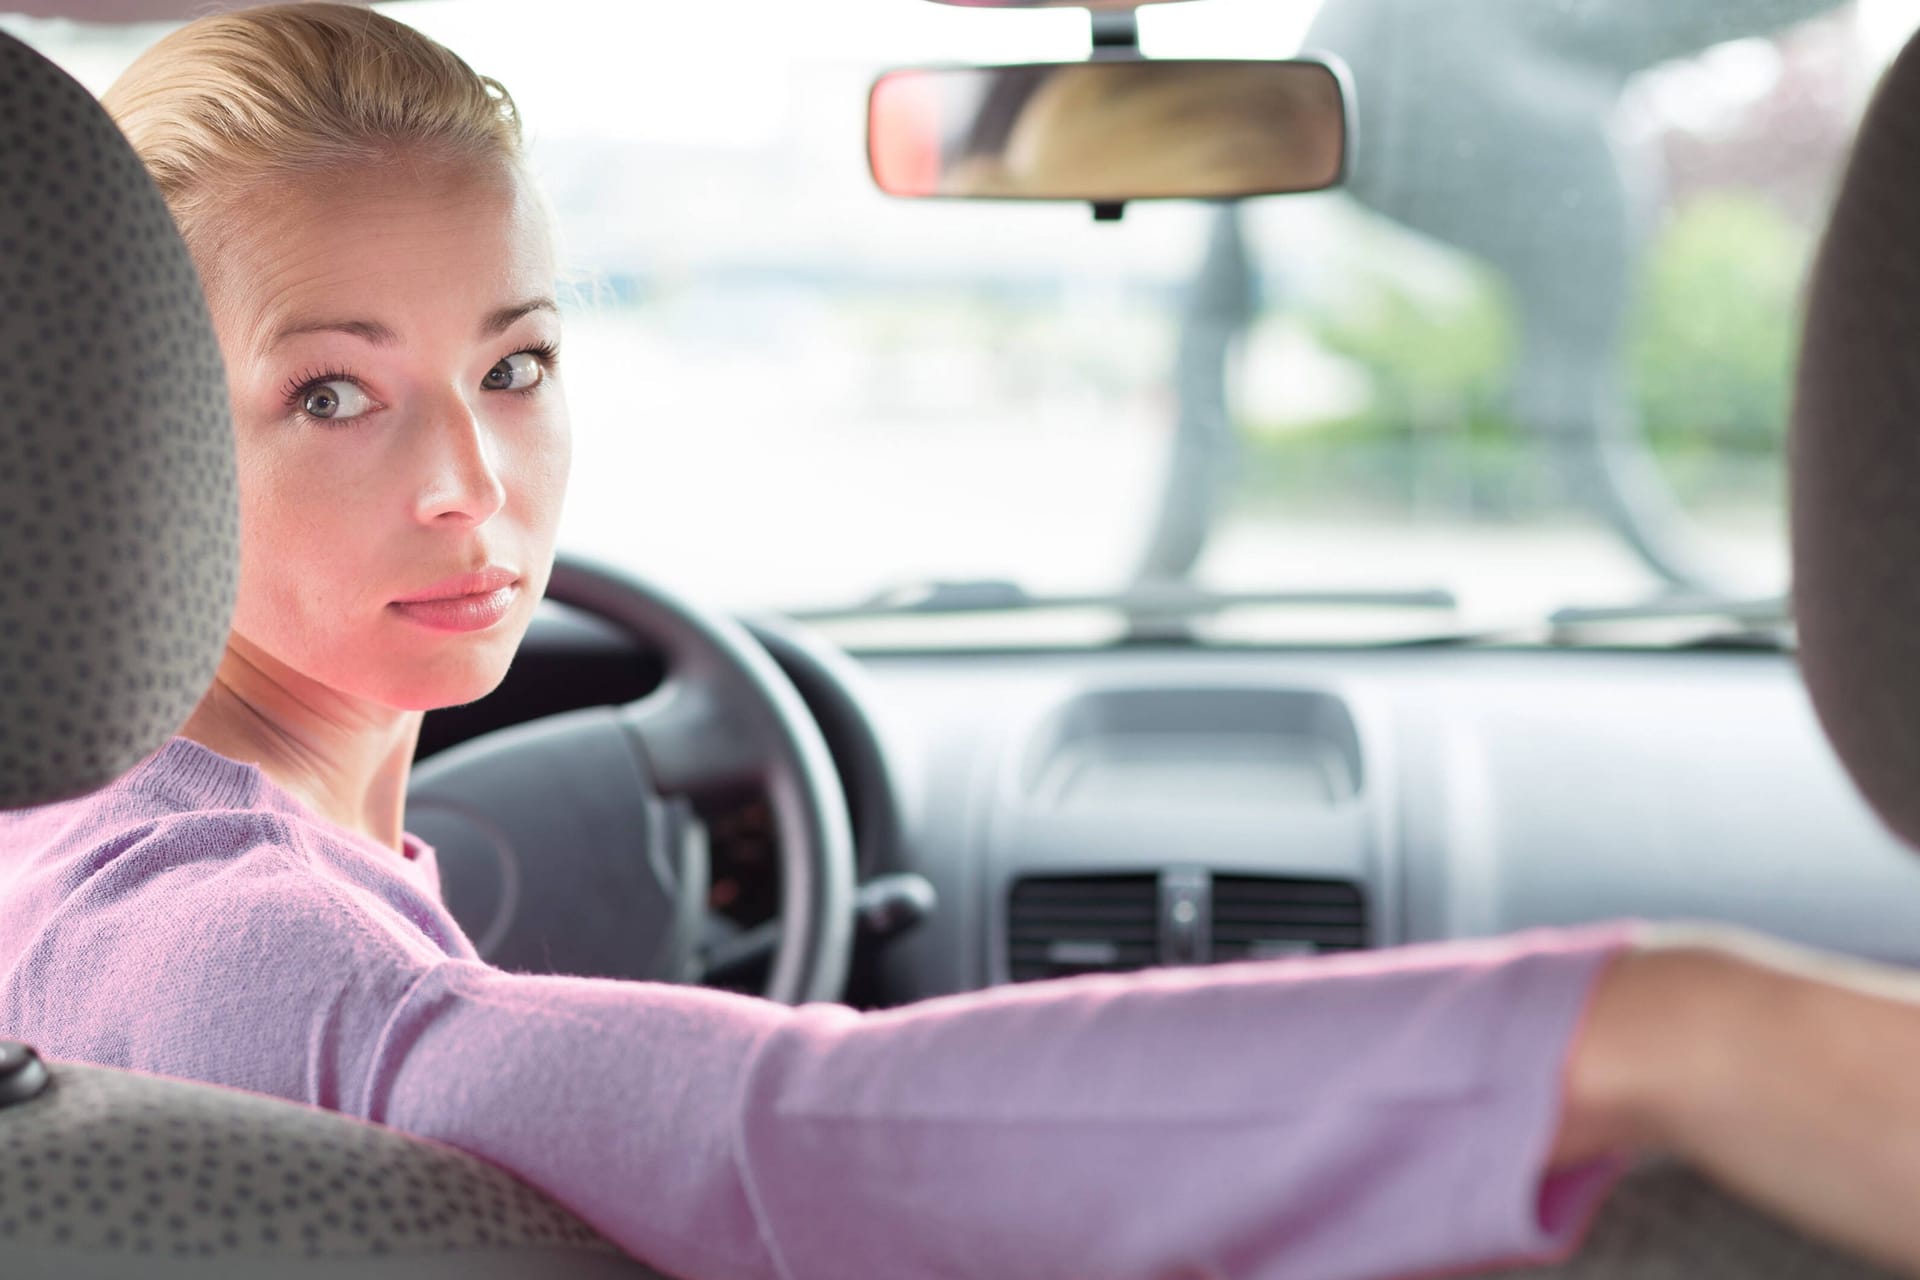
point(22, 1075)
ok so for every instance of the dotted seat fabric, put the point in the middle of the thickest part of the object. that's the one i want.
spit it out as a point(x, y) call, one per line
point(118, 511)
point(1854, 453)
point(138, 1175)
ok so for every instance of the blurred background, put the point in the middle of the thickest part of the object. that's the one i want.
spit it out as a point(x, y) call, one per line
point(1537, 352)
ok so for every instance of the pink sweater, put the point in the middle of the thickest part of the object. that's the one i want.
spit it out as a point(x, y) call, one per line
point(1368, 1115)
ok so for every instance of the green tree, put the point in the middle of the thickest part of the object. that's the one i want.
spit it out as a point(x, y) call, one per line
point(1712, 342)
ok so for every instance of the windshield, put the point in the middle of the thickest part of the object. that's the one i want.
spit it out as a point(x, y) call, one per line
point(1535, 354)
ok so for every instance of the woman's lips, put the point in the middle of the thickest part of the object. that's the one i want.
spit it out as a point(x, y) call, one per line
point(460, 613)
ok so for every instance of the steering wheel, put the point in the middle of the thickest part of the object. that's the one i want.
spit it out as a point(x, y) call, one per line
point(570, 843)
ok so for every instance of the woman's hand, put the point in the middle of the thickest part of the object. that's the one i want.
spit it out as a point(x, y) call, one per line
point(1789, 1077)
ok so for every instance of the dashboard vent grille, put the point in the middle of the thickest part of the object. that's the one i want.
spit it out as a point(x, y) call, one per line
point(1082, 924)
point(1255, 917)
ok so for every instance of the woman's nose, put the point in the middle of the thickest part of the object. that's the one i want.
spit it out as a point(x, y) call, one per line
point(462, 481)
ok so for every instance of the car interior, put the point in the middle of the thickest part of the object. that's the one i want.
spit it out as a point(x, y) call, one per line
point(1542, 668)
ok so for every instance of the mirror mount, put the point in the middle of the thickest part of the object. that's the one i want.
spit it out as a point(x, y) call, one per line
point(1116, 34)
point(1115, 29)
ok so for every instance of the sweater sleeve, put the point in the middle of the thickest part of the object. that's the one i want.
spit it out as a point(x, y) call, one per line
point(1370, 1116)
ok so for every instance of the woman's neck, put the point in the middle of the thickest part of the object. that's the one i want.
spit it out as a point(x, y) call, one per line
point(346, 759)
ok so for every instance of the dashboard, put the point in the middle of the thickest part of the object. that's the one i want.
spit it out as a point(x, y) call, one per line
point(1105, 810)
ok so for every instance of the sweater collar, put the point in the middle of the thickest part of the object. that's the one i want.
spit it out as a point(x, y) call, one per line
point(192, 776)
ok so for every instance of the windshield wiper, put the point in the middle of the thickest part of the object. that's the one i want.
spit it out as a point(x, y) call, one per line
point(1747, 621)
point(1143, 601)
point(1761, 611)
point(1165, 611)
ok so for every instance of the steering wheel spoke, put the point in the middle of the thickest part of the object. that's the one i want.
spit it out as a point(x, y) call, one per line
point(694, 743)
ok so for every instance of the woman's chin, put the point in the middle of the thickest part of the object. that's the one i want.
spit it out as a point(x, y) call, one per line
point(452, 682)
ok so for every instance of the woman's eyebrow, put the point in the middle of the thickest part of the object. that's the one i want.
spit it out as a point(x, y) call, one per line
point(503, 319)
point(381, 335)
point(370, 330)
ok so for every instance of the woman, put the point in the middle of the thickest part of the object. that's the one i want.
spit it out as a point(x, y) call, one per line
point(244, 907)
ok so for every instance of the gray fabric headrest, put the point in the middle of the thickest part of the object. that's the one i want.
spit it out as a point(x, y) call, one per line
point(118, 516)
point(1855, 460)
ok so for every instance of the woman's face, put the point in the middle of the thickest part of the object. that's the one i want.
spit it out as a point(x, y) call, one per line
point(389, 337)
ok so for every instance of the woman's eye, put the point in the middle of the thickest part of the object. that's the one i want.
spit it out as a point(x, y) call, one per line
point(335, 401)
point(517, 372)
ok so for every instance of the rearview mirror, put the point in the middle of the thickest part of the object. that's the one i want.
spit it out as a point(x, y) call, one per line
point(1110, 131)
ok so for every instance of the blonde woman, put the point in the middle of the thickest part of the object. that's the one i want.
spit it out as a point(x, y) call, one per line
point(244, 907)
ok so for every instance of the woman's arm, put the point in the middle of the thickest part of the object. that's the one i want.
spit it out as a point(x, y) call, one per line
point(1375, 1114)
point(1416, 1111)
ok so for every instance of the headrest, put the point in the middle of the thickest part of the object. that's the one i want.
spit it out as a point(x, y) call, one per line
point(1855, 460)
point(119, 520)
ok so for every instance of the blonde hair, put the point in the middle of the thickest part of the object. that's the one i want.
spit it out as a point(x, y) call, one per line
point(281, 91)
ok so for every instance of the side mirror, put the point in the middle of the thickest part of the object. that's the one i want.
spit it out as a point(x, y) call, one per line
point(1110, 131)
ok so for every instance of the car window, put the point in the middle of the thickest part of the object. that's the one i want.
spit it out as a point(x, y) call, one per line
point(1536, 353)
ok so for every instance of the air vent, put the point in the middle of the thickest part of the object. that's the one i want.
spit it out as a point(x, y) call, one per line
point(1255, 917)
point(1082, 924)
